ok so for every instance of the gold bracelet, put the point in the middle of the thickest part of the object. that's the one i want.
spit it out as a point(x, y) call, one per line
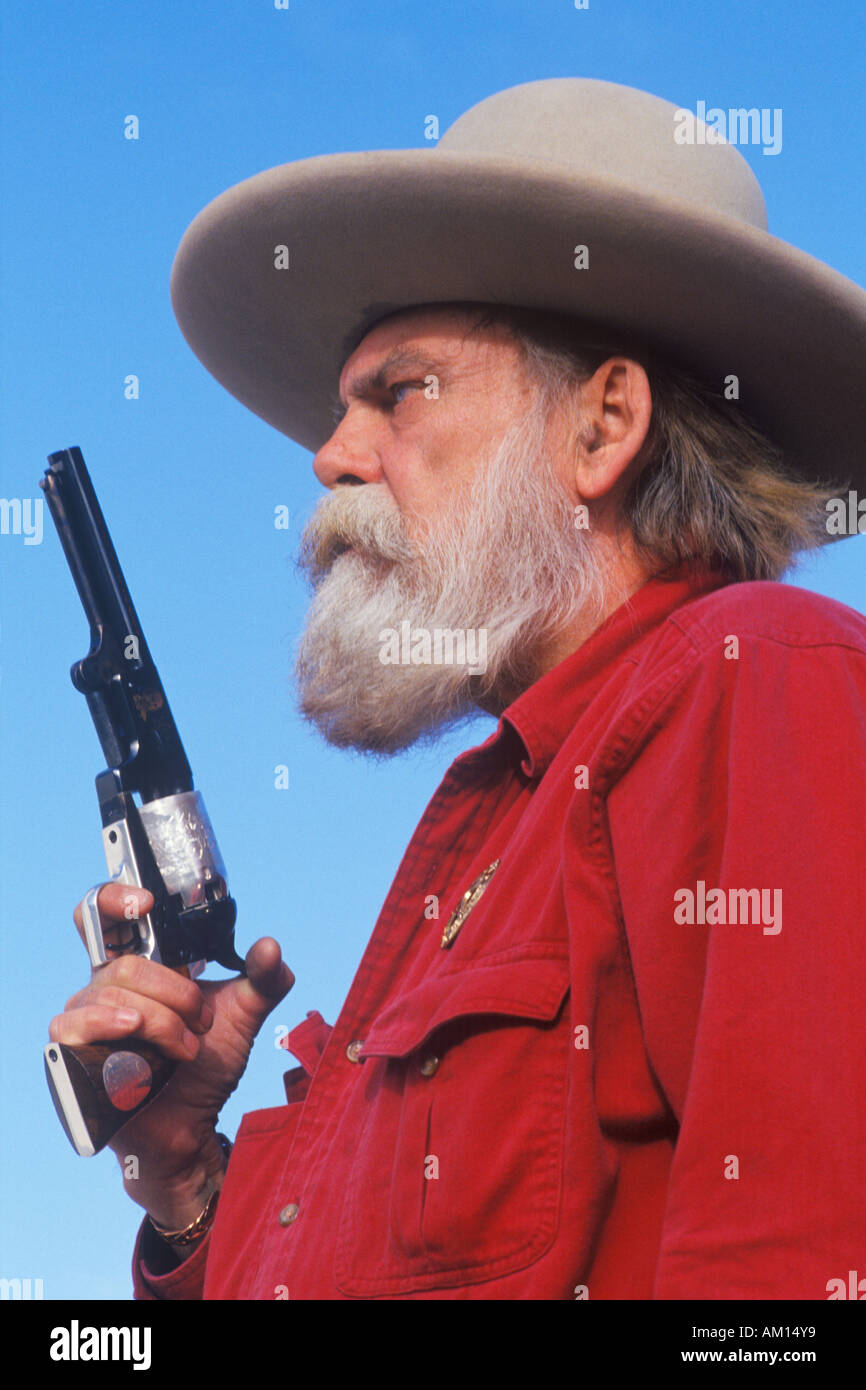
point(187, 1235)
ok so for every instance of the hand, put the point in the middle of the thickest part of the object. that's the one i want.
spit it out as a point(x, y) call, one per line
point(207, 1027)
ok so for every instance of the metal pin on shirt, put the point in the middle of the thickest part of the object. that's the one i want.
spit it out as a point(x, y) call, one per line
point(466, 904)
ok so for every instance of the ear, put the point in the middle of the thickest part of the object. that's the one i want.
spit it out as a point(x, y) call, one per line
point(615, 410)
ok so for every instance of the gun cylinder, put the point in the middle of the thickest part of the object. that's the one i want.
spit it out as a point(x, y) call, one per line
point(184, 847)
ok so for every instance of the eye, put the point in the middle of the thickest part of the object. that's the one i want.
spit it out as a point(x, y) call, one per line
point(399, 387)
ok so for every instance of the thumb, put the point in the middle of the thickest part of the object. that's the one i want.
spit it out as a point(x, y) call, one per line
point(268, 980)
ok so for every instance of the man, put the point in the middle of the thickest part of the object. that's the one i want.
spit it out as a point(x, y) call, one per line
point(605, 1039)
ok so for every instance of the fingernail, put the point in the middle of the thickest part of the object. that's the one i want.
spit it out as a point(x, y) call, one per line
point(190, 1042)
point(206, 1015)
point(127, 1015)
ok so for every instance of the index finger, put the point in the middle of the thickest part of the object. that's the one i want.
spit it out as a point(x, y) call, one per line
point(117, 902)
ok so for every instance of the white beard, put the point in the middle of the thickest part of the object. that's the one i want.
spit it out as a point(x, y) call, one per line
point(505, 560)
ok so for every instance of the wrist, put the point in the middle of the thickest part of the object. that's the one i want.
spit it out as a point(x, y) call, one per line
point(174, 1202)
point(184, 1240)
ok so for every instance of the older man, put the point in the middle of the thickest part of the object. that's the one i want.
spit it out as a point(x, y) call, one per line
point(605, 1040)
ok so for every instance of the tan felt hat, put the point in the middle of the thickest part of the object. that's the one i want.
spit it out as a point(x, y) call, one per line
point(678, 256)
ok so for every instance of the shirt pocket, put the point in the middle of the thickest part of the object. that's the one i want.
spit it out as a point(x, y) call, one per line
point(457, 1129)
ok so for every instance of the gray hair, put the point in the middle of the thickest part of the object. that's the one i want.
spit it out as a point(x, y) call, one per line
point(713, 489)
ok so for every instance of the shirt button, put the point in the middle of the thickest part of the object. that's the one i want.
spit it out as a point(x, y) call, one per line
point(289, 1214)
point(353, 1050)
point(430, 1066)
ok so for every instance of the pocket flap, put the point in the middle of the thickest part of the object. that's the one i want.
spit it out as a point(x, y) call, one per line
point(529, 987)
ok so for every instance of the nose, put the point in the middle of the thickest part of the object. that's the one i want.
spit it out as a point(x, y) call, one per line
point(349, 456)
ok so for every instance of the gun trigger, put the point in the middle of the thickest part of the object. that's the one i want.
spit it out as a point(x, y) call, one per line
point(230, 960)
point(93, 938)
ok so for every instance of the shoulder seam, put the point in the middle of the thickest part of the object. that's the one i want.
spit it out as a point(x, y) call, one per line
point(783, 636)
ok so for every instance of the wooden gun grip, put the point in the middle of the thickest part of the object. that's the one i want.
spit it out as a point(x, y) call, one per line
point(99, 1087)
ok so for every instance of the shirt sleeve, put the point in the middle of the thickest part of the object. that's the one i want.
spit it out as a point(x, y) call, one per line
point(739, 839)
point(152, 1280)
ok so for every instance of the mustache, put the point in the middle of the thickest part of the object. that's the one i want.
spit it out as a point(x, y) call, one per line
point(362, 518)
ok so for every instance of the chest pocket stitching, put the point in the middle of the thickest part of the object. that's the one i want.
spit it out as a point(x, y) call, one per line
point(532, 988)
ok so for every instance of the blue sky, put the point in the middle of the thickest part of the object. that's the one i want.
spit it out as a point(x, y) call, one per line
point(189, 479)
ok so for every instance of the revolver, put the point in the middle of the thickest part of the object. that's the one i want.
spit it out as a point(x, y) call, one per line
point(162, 841)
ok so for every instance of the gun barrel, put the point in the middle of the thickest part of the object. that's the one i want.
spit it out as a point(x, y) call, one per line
point(125, 696)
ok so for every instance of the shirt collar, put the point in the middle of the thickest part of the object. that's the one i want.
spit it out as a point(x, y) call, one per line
point(542, 716)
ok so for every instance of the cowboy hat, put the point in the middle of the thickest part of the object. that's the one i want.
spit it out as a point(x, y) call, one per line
point(280, 277)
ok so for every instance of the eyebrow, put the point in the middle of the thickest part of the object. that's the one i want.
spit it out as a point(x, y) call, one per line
point(400, 359)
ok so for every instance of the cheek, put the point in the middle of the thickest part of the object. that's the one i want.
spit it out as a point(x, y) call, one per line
point(429, 467)
point(420, 486)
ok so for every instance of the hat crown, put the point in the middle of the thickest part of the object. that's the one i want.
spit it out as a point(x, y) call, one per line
point(603, 129)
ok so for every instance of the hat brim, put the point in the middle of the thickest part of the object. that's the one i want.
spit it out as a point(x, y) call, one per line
point(371, 233)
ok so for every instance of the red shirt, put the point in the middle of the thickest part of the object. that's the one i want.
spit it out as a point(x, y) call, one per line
point(637, 1069)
